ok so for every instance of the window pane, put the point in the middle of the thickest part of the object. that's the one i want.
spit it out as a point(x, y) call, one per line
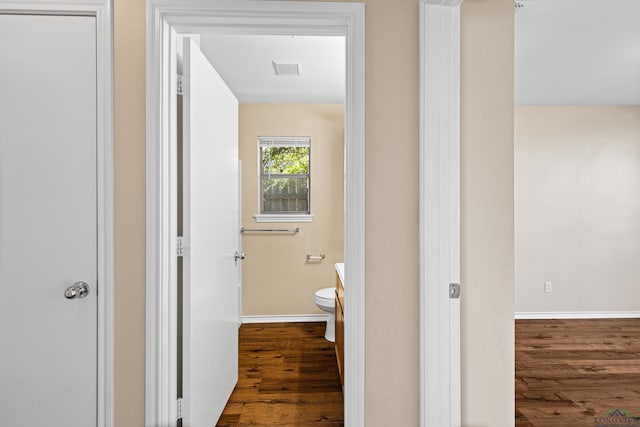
point(285, 195)
point(285, 160)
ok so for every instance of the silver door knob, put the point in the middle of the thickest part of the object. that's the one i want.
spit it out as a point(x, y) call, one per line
point(238, 256)
point(78, 290)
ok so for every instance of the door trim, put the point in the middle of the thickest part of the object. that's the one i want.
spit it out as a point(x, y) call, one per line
point(164, 18)
point(439, 212)
point(103, 12)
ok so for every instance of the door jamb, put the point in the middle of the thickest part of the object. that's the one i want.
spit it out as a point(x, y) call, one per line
point(102, 10)
point(164, 17)
point(439, 212)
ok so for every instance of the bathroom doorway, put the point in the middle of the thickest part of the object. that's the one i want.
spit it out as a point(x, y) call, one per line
point(297, 19)
point(287, 127)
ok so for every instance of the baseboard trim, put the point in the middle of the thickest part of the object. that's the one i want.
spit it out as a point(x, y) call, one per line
point(577, 315)
point(279, 318)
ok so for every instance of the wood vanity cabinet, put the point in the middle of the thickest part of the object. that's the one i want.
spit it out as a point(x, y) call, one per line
point(339, 342)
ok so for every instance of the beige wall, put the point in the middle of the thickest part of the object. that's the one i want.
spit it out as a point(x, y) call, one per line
point(391, 212)
point(577, 210)
point(391, 225)
point(129, 152)
point(487, 297)
point(276, 279)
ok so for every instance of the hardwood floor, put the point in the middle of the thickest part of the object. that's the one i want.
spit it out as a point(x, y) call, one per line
point(288, 376)
point(570, 371)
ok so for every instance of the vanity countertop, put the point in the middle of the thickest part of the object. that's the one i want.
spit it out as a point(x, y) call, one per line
point(340, 271)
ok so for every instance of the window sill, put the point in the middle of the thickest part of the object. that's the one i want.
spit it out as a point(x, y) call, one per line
point(283, 218)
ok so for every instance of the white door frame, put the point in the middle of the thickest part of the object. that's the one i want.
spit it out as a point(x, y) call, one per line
point(164, 19)
point(439, 212)
point(102, 10)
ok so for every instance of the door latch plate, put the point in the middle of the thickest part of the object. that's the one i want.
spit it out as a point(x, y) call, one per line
point(454, 290)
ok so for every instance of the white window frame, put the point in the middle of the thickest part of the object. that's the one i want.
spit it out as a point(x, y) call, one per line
point(283, 141)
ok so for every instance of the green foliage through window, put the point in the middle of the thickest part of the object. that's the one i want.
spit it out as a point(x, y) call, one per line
point(285, 160)
point(284, 178)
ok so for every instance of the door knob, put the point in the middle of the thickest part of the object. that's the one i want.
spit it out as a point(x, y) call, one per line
point(238, 256)
point(78, 290)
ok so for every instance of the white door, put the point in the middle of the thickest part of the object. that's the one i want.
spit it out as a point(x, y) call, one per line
point(48, 372)
point(210, 194)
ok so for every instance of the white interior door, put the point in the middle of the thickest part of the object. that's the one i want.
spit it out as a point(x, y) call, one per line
point(48, 228)
point(210, 203)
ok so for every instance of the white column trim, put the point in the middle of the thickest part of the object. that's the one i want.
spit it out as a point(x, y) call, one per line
point(248, 17)
point(102, 10)
point(439, 212)
point(106, 266)
point(161, 304)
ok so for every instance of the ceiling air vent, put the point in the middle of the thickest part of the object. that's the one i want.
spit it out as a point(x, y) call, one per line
point(282, 69)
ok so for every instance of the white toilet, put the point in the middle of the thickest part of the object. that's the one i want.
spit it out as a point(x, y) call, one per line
point(325, 300)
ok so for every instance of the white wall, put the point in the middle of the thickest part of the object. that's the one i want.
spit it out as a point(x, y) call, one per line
point(577, 208)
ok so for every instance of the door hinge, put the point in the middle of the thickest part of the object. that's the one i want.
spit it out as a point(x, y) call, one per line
point(454, 290)
point(180, 85)
point(180, 246)
point(179, 409)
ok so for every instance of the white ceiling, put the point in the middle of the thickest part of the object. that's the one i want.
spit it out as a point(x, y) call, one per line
point(578, 52)
point(245, 64)
point(566, 52)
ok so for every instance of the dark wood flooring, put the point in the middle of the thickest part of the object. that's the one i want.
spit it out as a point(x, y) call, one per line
point(570, 371)
point(288, 376)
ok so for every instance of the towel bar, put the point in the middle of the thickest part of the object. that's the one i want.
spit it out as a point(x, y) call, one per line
point(270, 230)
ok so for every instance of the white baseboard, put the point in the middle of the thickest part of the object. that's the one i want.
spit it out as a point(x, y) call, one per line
point(285, 318)
point(578, 315)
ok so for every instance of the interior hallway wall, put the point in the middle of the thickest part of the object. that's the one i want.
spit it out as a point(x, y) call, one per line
point(577, 208)
point(276, 278)
point(392, 330)
point(486, 209)
point(129, 60)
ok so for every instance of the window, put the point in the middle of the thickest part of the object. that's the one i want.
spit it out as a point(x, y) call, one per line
point(284, 179)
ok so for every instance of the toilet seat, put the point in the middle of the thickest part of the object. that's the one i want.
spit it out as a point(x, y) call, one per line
point(325, 297)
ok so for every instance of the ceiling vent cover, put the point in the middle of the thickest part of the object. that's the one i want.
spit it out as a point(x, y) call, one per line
point(282, 69)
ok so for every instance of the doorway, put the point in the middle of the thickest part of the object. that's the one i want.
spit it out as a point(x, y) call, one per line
point(291, 146)
point(245, 17)
point(577, 157)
